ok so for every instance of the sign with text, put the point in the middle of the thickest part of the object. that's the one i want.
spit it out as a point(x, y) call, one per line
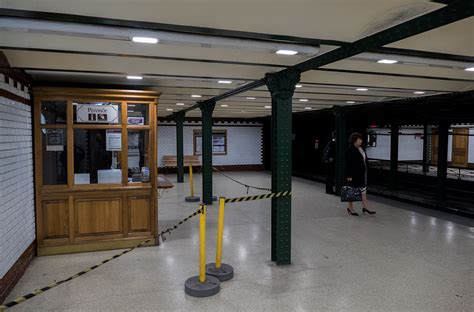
point(93, 113)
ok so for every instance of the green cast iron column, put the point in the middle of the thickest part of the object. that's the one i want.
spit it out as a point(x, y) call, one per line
point(179, 118)
point(394, 136)
point(342, 139)
point(443, 137)
point(207, 108)
point(281, 86)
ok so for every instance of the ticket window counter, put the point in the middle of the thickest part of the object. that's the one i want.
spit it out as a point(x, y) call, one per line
point(95, 168)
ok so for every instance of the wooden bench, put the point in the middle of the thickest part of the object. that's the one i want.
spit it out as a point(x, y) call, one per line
point(171, 161)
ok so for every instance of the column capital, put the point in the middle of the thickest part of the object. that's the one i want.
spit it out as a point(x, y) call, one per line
point(179, 116)
point(341, 110)
point(207, 107)
point(282, 84)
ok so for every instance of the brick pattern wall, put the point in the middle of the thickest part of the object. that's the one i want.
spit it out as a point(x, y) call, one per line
point(17, 212)
point(244, 143)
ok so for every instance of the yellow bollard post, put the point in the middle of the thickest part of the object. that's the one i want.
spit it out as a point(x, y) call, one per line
point(222, 271)
point(220, 232)
point(191, 198)
point(202, 285)
point(191, 184)
point(202, 244)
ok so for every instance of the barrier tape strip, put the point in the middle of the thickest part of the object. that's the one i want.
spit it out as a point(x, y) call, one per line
point(258, 197)
point(243, 184)
point(39, 291)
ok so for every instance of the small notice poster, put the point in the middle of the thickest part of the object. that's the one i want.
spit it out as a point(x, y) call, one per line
point(113, 140)
point(93, 113)
point(54, 140)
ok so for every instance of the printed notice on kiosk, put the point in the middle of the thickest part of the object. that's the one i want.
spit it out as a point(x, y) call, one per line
point(93, 113)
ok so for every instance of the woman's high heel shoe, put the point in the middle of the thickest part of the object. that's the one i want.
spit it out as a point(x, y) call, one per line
point(351, 212)
point(364, 210)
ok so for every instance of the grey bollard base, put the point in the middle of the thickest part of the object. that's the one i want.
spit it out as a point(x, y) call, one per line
point(195, 288)
point(192, 199)
point(224, 273)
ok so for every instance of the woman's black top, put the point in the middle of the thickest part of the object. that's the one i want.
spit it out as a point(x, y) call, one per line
point(356, 167)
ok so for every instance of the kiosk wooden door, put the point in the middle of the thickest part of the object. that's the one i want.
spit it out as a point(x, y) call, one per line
point(460, 147)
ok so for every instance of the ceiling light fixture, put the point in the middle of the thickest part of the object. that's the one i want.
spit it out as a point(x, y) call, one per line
point(307, 108)
point(469, 69)
point(362, 89)
point(350, 102)
point(224, 105)
point(180, 104)
point(196, 96)
point(144, 40)
point(250, 98)
point(286, 52)
point(267, 106)
point(419, 92)
point(299, 86)
point(134, 77)
point(225, 81)
point(169, 109)
point(387, 61)
point(303, 100)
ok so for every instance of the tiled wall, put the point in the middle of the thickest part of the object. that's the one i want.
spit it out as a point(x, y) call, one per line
point(244, 143)
point(17, 216)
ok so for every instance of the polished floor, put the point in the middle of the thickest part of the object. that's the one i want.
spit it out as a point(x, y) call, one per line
point(406, 258)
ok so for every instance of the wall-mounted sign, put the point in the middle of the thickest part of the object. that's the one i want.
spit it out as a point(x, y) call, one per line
point(55, 140)
point(90, 113)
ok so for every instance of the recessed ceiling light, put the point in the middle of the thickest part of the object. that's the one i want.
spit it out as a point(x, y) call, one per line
point(196, 96)
point(224, 105)
point(299, 86)
point(350, 102)
point(307, 108)
point(180, 104)
point(133, 77)
point(471, 69)
point(169, 109)
point(286, 52)
point(303, 100)
point(387, 61)
point(225, 81)
point(362, 89)
point(419, 92)
point(267, 106)
point(250, 98)
point(144, 40)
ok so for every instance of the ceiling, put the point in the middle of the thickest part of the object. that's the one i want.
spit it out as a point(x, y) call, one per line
point(202, 42)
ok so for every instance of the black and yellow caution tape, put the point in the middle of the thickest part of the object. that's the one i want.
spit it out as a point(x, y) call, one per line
point(243, 184)
point(258, 197)
point(41, 290)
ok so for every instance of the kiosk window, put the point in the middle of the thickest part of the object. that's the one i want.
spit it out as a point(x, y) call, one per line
point(97, 154)
point(137, 114)
point(53, 112)
point(138, 156)
point(54, 156)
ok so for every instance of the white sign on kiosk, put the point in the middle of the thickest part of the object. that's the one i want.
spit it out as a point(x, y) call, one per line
point(93, 113)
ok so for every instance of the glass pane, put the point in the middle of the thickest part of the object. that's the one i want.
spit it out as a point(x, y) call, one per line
point(54, 156)
point(97, 155)
point(138, 156)
point(107, 113)
point(138, 114)
point(53, 112)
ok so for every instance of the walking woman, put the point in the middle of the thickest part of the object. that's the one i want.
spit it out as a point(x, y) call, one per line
point(356, 166)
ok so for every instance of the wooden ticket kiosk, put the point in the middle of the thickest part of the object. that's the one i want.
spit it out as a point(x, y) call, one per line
point(95, 168)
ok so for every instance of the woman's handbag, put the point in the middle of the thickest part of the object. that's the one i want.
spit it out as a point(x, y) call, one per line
point(350, 194)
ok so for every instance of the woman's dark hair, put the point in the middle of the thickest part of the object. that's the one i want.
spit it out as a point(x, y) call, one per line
point(353, 138)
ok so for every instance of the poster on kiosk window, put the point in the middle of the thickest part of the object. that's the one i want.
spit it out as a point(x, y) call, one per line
point(90, 113)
